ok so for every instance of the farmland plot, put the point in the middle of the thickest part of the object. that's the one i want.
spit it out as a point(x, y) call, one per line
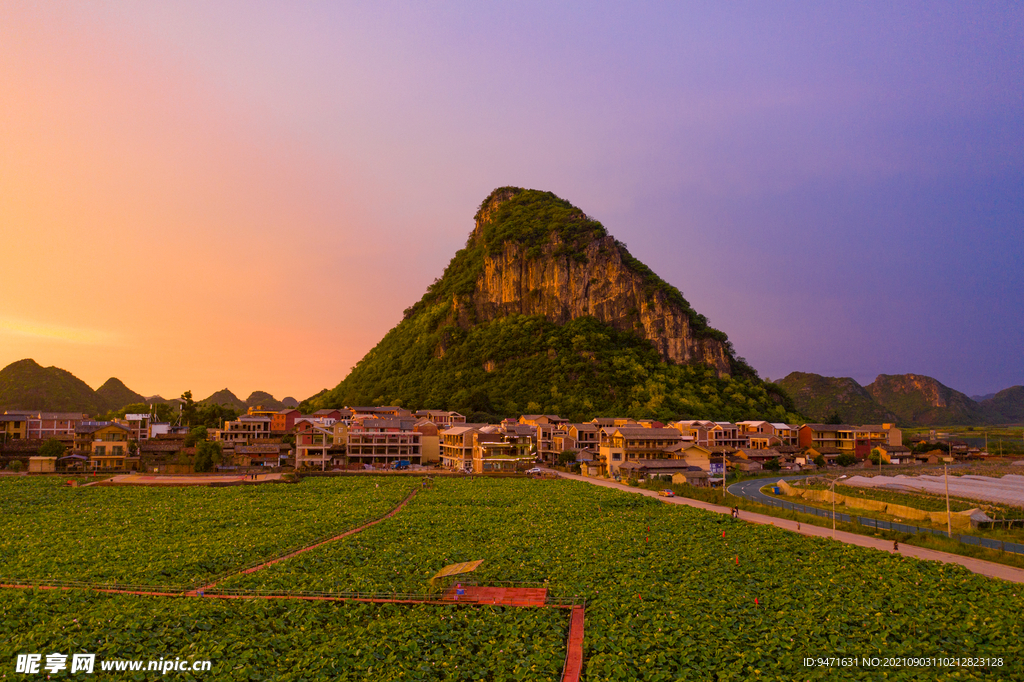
point(287, 640)
point(669, 597)
point(173, 536)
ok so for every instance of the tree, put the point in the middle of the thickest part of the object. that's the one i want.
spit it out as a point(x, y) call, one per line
point(188, 408)
point(214, 416)
point(773, 464)
point(208, 453)
point(195, 435)
point(566, 456)
point(875, 456)
point(834, 418)
point(14, 465)
point(846, 459)
point(52, 448)
point(820, 460)
point(133, 448)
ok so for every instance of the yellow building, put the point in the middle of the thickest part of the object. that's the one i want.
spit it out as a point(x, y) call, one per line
point(14, 426)
point(106, 445)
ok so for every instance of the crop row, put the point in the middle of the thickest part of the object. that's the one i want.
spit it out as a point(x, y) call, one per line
point(288, 640)
point(173, 536)
point(669, 597)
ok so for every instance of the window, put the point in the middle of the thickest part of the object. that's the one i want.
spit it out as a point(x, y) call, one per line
point(117, 450)
point(101, 450)
point(617, 456)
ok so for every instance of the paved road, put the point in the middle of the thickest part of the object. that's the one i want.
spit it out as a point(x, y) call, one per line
point(986, 568)
point(751, 490)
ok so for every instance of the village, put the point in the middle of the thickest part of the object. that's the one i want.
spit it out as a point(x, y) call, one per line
point(366, 438)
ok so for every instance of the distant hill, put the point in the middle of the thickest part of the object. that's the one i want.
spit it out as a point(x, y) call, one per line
point(26, 385)
point(268, 402)
point(921, 400)
point(818, 397)
point(114, 395)
point(255, 399)
point(1007, 406)
point(225, 397)
point(907, 399)
point(982, 398)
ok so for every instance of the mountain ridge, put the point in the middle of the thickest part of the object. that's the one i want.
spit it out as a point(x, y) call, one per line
point(906, 399)
point(542, 310)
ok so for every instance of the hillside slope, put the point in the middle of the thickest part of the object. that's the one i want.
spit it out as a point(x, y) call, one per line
point(1006, 407)
point(542, 311)
point(26, 385)
point(113, 395)
point(818, 397)
point(921, 400)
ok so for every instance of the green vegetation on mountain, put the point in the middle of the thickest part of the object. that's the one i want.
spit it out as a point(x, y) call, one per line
point(268, 402)
point(443, 355)
point(114, 394)
point(820, 399)
point(226, 398)
point(26, 385)
point(1007, 406)
point(921, 400)
point(907, 399)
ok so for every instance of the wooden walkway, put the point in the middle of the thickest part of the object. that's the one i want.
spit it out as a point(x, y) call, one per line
point(574, 647)
point(499, 596)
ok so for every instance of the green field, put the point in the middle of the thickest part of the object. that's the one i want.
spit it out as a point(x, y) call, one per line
point(668, 597)
point(286, 640)
point(172, 536)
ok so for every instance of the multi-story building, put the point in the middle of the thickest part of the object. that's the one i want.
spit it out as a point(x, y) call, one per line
point(697, 430)
point(633, 443)
point(138, 424)
point(317, 446)
point(507, 454)
point(14, 425)
point(855, 440)
point(106, 445)
point(246, 429)
point(382, 442)
point(577, 437)
point(59, 425)
point(457, 446)
point(442, 418)
point(727, 435)
point(283, 421)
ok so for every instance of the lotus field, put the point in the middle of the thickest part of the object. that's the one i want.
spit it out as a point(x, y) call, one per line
point(172, 536)
point(669, 597)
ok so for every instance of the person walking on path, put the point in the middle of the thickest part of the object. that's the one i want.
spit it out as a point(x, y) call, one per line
point(895, 546)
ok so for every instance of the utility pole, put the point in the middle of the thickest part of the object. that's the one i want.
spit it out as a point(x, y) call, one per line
point(949, 518)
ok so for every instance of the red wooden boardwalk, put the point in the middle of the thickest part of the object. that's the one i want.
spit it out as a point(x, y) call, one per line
point(574, 647)
point(501, 596)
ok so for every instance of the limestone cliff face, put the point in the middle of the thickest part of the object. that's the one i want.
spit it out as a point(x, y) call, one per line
point(600, 284)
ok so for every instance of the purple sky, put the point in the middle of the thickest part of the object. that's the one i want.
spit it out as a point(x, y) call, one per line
point(838, 186)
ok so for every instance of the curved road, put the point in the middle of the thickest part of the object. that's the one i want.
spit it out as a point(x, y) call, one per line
point(979, 566)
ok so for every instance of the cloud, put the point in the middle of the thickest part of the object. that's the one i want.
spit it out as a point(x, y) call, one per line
point(51, 332)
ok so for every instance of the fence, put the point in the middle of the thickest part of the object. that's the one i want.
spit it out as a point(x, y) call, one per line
point(892, 526)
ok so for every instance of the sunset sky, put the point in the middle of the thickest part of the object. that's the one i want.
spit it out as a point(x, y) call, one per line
point(199, 195)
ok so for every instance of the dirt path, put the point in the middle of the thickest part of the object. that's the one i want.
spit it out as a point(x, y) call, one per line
point(297, 552)
point(979, 566)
